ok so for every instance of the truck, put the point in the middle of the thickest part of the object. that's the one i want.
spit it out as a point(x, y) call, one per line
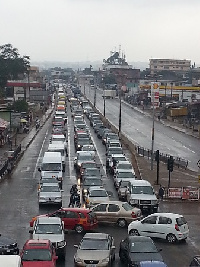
point(109, 94)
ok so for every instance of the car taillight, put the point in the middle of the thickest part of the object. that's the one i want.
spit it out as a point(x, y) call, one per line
point(176, 227)
point(133, 214)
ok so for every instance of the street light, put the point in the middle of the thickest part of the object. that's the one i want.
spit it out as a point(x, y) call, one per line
point(171, 90)
point(120, 112)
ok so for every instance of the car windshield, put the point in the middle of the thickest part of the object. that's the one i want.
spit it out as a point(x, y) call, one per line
point(85, 157)
point(48, 229)
point(125, 175)
point(124, 183)
point(90, 182)
point(142, 190)
point(94, 244)
point(36, 255)
point(98, 193)
point(83, 140)
point(114, 150)
point(126, 206)
point(58, 119)
point(120, 159)
point(143, 247)
point(51, 167)
point(88, 165)
point(124, 166)
point(59, 139)
point(88, 148)
point(90, 172)
point(50, 189)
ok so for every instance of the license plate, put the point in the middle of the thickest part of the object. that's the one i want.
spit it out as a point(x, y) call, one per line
point(91, 265)
point(145, 207)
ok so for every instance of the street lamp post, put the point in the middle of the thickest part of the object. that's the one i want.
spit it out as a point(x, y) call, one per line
point(120, 112)
point(152, 135)
point(165, 92)
point(171, 90)
point(104, 106)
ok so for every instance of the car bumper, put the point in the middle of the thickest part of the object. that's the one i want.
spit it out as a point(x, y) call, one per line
point(47, 202)
point(91, 265)
point(182, 236)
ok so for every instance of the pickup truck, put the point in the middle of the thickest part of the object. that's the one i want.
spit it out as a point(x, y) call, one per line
point(109, 94)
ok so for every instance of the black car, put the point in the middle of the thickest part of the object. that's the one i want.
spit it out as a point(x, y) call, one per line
point(195, 261)
point(8, 246)
point(135, 249)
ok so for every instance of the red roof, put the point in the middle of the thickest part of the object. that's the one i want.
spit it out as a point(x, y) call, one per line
point(23, 84)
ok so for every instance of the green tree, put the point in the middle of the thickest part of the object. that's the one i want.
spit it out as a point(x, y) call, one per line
point(11, 65)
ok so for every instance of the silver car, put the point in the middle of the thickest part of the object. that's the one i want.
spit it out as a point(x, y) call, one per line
point(95, 249)
point(50, 193)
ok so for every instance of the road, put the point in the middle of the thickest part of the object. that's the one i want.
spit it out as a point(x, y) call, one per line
point(138, 128)
point(18, 198)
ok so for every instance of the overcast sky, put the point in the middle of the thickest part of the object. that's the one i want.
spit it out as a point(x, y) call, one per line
point(80, 30)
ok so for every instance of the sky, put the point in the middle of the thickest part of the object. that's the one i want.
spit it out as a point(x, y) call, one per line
point(87, 30)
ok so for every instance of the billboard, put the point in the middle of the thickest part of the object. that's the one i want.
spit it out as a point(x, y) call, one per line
point(155, 86)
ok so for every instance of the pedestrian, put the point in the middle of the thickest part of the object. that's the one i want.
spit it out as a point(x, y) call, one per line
point(161, 192)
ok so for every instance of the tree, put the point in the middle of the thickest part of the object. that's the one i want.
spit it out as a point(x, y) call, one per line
point(11, 64)
point(19, 106)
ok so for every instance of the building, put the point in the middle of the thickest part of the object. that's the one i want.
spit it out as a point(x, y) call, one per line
point(174, 65)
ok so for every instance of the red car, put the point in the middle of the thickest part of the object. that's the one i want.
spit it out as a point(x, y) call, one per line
point(38, 253)
point(78, 219)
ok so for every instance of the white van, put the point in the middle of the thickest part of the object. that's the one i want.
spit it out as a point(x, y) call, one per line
point(10, 261)
point(58, 146)
point(52, 163)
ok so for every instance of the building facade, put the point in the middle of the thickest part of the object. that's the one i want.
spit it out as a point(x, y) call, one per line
point(175, 65)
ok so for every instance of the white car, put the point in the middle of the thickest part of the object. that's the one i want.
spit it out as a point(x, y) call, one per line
point(89, 148)
point(50, 193)
point(169, 226)
point(96, 195)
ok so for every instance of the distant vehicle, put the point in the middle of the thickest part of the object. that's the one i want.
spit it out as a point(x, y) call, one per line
point(40, 252)
point(135, 249)
point(95, 249)
point(169, 226)
point(109, 94)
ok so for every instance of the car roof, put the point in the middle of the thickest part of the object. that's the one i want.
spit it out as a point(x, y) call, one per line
point(96, 236)
point(84, 210)
point(97, 188)
point(49, 220)
point(168, 214)
point(123, 162)
point(37, 243)
point(140, 183)
point(112, 202)
point(140, 239)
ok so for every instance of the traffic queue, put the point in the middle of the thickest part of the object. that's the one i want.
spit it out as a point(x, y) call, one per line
point(90, 202)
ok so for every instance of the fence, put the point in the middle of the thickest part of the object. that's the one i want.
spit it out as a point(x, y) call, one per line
point(179, 162)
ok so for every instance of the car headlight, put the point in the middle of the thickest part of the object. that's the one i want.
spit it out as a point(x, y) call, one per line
point(61, 243)
point(79, 145)
point(85, 190)
point(106, 260)
point(77, 259)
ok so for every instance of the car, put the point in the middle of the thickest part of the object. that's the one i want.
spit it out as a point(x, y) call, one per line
point(170, 226)
point(195, 261)
point(112, 151)
point(120, 213)
point(87, 164)
point(8, 246)
point(88, 182)
point(82, 156)
point(122, 189)
point(123, 165)
point(90, 148)
point(95, 249)
point(80, 142)
point(134, 249)
point(123, 175)
point(40, 252)
point(113, 160)
point(141, 193)
point(51, 228)
point(78, 219)
point(96, 195)
point(50, 193)
point(91, 172)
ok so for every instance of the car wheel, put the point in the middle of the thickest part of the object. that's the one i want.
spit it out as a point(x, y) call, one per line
point(171, 238)
point(122, 223)
point(134, 232)
point(79, 228)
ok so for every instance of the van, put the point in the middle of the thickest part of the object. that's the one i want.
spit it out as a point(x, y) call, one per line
point(10, 261)
point(52, 163)
point(58, 146)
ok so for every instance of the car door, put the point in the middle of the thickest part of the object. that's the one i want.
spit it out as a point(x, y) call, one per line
point(148, 226)
point(100, 211)
point(113, 212)
point(70, 219)
point(163, 227)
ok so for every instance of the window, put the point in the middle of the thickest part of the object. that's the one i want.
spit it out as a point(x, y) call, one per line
point(81, 215)
point(101, 207)
point(150, 220)
point(164, 220)
point(113, 208)
point(71, 214)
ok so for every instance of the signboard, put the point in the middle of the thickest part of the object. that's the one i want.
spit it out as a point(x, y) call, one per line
point(155, 86)
point(175, 192)
point(15, 119)
point(191, 193)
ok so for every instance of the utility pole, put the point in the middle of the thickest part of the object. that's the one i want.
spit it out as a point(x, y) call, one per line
point(120, 112)
point(152, 135)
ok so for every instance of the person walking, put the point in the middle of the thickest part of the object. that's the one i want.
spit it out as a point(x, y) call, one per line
point(161, 192)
